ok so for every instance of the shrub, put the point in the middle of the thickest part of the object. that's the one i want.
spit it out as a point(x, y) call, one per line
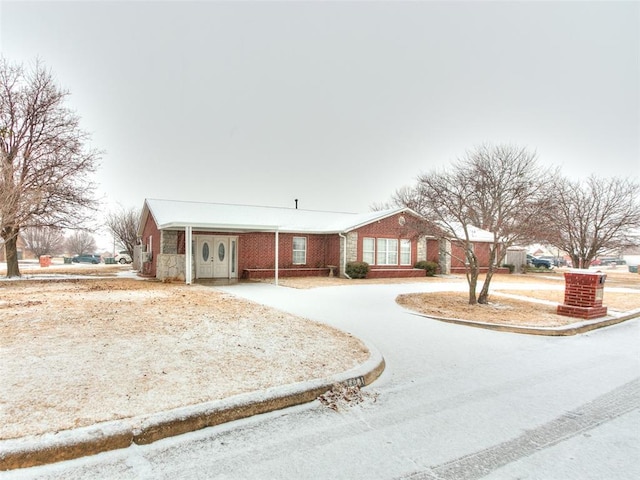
point(357, 269)
point(512, 268)
point(430, 268)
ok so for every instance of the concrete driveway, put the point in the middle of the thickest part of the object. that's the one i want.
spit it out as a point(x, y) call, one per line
point(454, 403)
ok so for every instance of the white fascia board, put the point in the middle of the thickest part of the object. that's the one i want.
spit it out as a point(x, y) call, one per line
point(144, 214)
point(242, 228)
point(218, 227)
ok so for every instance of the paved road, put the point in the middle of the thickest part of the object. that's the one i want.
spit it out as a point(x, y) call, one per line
point(454, 403)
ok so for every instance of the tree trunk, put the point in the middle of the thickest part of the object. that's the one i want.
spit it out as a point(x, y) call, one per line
point(579, 262)
point(472, 279)
point(483, 298)
point(10, 236)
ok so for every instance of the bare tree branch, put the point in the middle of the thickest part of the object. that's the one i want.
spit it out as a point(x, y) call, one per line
point(45, 166)
point(599, 215)
point(498, 188)
point(43, 240)
point(81, 242)
point(123, 225)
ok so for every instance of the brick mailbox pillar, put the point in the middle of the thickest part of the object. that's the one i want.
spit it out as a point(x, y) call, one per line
point(583, 295)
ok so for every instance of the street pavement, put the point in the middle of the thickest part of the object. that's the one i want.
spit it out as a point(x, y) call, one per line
point(454, 402)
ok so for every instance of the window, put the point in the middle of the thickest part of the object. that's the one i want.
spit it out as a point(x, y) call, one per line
point(299, 250)
point(387, 251)
point(405, 252)
point(369, 250)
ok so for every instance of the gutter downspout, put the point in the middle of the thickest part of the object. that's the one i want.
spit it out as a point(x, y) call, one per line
point(344, 257)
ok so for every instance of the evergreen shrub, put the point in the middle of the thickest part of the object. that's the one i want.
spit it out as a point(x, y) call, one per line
point(357, 269)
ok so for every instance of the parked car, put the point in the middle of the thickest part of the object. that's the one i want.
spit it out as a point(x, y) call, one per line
point(123, 257)
point(612, 261)
point(95, 259)
point(538, 262)
point(555, 261)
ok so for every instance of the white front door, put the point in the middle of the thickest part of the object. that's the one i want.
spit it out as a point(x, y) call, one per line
point(216, 257)
point(204, 257)
point(221, 257)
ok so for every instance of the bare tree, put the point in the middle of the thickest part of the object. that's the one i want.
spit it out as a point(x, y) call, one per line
point(45, 165)
point(595, 216)
point(496, 188)
point(81, 242)
point(43, 240)
point(123, 225)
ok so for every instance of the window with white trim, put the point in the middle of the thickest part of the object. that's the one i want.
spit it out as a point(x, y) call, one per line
point(405, 252)
point(369, 250)
point(299, 250)
point(387, 251)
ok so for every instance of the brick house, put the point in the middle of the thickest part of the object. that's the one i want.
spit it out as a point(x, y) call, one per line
point(23, 252)
point(193, 240)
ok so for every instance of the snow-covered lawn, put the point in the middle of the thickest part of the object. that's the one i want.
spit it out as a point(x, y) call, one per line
point(77, 352)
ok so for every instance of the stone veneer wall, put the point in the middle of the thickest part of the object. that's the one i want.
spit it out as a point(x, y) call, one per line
point(170, 266)
point(169, 241)
point(445, 257)
point(352, 246)
point(421, 250)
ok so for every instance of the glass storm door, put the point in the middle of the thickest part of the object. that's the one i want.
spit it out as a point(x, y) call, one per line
point(204, 257)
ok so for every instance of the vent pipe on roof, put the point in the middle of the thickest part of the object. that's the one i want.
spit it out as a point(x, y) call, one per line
point(296, 203)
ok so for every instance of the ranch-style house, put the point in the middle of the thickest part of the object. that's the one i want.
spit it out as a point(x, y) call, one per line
point(195, 240)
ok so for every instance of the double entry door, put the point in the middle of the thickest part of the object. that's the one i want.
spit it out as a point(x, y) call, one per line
point(216, 256)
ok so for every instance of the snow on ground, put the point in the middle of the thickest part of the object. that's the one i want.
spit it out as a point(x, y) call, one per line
point(77, 352)
point(448, 392)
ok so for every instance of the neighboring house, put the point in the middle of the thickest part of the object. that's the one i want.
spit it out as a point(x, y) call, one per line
point(192, 240)
point(23, 252)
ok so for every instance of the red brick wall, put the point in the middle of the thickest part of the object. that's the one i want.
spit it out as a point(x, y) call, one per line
point(457, 255)
point(583, 296)
point(257, 249)
point(581, 289)
point(481, 250)
point(433, 251)
point(391, 228)
point(151, 230)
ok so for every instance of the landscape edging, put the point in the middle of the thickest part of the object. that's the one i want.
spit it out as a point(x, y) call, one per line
point(69, 444)
point(563, 331)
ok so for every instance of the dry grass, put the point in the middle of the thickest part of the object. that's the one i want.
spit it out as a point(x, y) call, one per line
point(84, 351)
point(80, 351)
point(500, 310)
point(614, 300)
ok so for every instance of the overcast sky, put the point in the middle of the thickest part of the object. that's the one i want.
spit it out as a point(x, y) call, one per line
point(337, 104)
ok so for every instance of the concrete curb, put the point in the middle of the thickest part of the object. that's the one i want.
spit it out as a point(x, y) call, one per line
point(565, 330)
point(69, 444)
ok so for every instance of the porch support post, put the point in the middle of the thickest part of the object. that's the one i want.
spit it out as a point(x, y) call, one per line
point(277, 256)
point(188, 255)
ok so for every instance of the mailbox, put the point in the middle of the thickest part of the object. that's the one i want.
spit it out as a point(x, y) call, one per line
point(583, 295)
